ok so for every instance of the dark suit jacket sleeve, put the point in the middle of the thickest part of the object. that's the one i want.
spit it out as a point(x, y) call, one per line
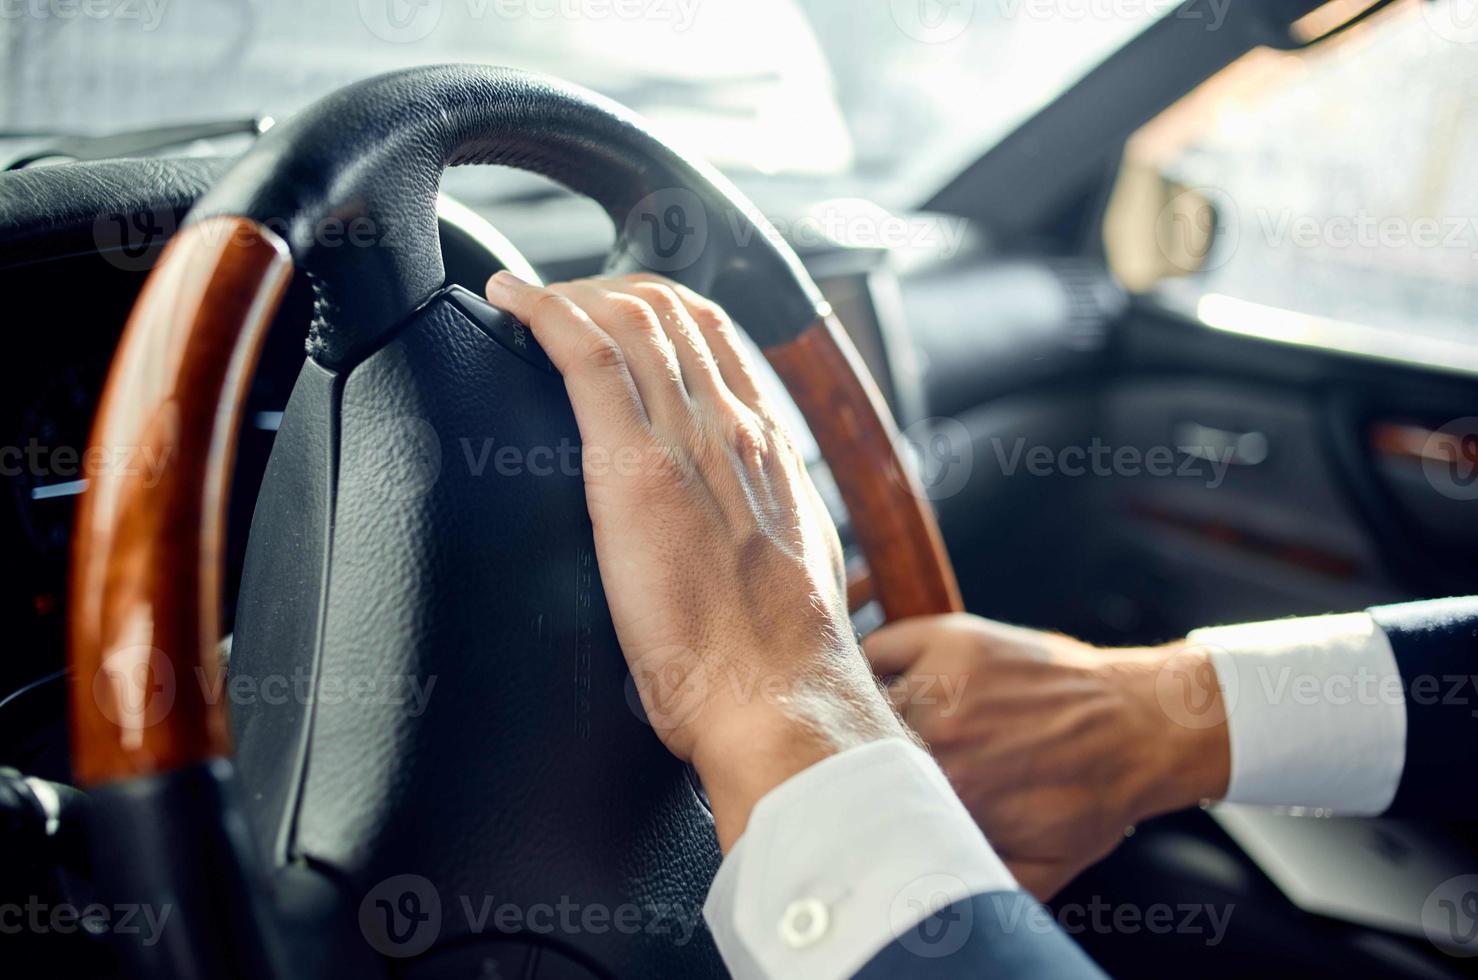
point(998, 934)
point(1436, 647)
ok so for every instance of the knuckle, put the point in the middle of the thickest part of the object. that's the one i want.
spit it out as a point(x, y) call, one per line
point(598, 352)
point(774, 429)
point(659, 296)
point(749, 440)
point(711, 319)
point(631, 314)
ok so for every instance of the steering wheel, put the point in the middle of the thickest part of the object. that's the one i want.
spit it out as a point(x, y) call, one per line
point(456, 733)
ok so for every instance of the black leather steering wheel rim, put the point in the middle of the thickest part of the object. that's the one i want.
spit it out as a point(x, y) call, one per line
point(371, 156)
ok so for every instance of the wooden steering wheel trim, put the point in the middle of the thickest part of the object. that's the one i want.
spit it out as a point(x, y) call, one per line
point(910, 572)
point(145, 615)
point(145, 611)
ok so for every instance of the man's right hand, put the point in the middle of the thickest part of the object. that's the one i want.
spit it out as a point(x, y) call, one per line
point(1056, 747)
point(720, 562)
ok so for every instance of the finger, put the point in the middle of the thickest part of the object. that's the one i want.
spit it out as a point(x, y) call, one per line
point(722, 338)
point(896, 647)
point(701, 373)
point(649, 354)
point(608, 407)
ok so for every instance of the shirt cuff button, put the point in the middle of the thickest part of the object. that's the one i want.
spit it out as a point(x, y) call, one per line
point(804, 923)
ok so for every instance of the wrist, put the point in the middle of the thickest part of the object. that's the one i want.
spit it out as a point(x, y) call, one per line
point(747, 753)
point(1171, 702)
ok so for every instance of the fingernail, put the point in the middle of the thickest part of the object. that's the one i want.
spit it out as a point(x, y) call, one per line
point(505, 280)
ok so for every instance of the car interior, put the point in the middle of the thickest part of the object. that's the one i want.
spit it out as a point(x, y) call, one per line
point(1168, 301)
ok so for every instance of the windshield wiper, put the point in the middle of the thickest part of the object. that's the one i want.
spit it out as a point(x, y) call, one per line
point(138, 141)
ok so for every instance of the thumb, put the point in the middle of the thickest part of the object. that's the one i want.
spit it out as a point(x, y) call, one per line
point(896, 647)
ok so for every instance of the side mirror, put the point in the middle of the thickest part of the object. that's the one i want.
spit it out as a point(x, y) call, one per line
point(1157, 229)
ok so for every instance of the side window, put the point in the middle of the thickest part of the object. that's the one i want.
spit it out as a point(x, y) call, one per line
point(1332, 187)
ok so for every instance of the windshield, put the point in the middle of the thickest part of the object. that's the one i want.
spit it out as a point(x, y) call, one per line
point(878, 98)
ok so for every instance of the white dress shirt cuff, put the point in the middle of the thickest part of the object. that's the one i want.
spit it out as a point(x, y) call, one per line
point(840, 860)
point(1316, 714)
